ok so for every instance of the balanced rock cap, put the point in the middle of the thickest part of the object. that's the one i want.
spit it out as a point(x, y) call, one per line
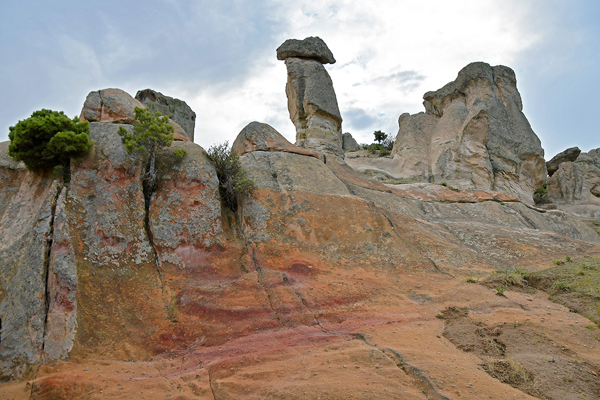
point(312, 47)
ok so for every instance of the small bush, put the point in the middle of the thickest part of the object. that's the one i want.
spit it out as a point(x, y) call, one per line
point(543, 189)
point(384, 152)
point(470, 279)
point(234, 181)
point(558, 262)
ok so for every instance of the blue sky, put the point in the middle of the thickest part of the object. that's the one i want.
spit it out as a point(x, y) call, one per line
point(219, 56)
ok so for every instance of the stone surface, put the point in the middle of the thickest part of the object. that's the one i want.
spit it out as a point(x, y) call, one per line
point(349, 143)
point(311, 47)
point(185, 211)
point(313, 106)
point(569, 154)
point(61, 319)
point(177, 110)
point(117, 106)
point(26, 218)
point(575, 186)
point(472, 135)
point(257, 136)
point(110, 105)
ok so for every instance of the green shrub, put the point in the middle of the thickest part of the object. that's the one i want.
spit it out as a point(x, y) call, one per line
point(379, 136)
point(151, 135)
point(234, 181)
point(49, 139)
point(384, 152)
point(543, 189)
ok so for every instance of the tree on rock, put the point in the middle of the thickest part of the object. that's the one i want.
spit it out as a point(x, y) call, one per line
point(151, 135)
point(233, 178)
point(48, 140)
point(379, 136)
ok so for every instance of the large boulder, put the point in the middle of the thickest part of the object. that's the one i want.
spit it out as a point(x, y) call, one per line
point(311, 47)
point(110, 105)
point(118, 107)
point(569, 154)
point(257, 136)
point(177, 110)
point(575, 186)
point(473, 135)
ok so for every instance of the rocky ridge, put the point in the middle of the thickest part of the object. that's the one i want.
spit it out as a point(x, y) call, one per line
point(323, 283)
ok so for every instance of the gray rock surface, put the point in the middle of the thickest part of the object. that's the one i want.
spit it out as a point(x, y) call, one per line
point(349, 143)
point(175, 109)
point(257, 136)
point(311, 47)
point(569, 154)
point(575, 186)
point(313, 106)
point(26, 216)
point(61, 321)
point(473, 135)
point(185, 210)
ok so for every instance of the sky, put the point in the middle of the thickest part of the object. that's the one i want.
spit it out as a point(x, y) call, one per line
point(220, 57)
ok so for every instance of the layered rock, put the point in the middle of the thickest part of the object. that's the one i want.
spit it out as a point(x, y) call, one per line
point(312, 103)
point(472, 135)
point(569, 154)
point(575, 185)
point(349, 143)
point(177, 110)
point(118, 107)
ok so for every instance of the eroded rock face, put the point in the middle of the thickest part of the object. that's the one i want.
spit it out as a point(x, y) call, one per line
point(349, 143)
point(27, 203)
point(312, 105)
point(575, 186)
point(569, 154)
point(177, 110)
point(473, 135)
point(257, 136)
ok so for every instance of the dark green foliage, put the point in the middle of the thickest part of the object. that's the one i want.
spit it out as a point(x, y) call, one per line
point(379, 136)
point(49, 139)
point(374, 148)
point(543, 189)
point(151, 135)
point(384, 152)
point(233, 179)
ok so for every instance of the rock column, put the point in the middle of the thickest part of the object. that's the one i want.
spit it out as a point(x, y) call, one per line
point(311, 99)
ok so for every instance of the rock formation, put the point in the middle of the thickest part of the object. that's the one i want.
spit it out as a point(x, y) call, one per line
point(575, 186)
point(569, 154)
point(311, 99)
point(117, 106)
point(473, 134)
point(257, 136)
point(348, 142)
point(175, 109)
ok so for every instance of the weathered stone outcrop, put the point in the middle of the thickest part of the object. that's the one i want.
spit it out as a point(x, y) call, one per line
point(311, 99)
point(569, 154)
point(472, 135)
point(257, 136)
point(177, 110)
point(27, 203)
point(118, 107)
point(349, 143)
point(575, 186)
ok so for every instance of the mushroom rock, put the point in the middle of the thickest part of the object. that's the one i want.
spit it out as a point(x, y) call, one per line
point(311, 98)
